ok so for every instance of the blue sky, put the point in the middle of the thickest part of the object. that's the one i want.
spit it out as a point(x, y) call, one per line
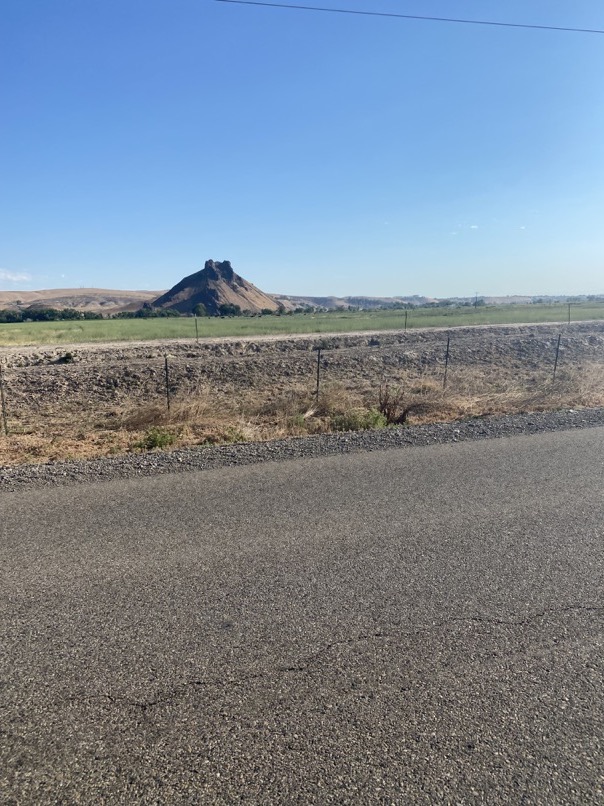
point(320, 153)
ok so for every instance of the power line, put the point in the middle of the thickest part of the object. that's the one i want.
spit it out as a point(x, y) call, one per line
point(415, 17)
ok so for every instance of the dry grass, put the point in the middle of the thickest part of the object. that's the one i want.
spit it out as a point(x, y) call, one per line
point(472, 394)
point(202, 418)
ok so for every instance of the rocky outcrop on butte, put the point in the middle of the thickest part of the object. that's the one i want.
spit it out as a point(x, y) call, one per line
point(215, 286)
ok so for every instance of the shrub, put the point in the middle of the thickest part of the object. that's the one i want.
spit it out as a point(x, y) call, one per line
point(390, 403)
point(233, 435)
point(358, 420)
point(297, 421)
point(155, 438)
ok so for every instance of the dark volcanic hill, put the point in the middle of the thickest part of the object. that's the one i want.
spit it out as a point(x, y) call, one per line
point(216, 284)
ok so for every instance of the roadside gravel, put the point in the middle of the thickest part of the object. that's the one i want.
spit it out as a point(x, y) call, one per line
point(152, 463)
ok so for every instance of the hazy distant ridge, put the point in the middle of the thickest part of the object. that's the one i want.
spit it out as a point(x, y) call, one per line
point(99, 300)
point(345, 302)
point(111, 301)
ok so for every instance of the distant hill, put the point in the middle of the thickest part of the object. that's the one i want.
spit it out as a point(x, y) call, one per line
point(289, 301)
point(215, 285)
point(98, 300)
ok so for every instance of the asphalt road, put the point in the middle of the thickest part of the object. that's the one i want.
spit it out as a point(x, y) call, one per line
point(420, 625)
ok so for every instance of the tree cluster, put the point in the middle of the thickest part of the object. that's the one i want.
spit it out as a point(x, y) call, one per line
point(147, 312)
point(11, 315)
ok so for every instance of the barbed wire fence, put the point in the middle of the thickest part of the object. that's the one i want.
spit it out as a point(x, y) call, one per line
point(3, 402)
point(29, 390)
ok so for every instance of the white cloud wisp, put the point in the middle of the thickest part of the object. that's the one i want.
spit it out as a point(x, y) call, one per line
point(14, 277)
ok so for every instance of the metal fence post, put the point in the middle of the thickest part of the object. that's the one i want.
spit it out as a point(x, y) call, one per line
point(557, 354)
point(446, 362)
point(318, 373)
point(3, 400)
point(167, 372)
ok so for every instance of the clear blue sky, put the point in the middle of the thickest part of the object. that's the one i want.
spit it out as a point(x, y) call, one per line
point(320, 153)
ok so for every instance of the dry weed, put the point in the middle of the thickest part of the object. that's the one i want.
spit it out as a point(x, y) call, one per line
point(54, 432)
point(391, 402)
point(338, 399)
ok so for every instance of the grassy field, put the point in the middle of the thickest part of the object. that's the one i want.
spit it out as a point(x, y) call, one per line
point(41, 333)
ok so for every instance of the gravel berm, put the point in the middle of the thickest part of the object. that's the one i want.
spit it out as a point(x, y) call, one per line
point(205, 458)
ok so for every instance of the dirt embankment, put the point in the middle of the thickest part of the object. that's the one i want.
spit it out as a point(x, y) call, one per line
point(98, 399)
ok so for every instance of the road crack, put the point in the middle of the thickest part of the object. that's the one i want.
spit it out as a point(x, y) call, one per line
point(310, 660)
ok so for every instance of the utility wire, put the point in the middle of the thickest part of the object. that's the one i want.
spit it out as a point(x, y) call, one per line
point(415, 17)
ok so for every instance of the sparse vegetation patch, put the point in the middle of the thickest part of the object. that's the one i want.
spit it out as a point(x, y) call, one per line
point(104, 401)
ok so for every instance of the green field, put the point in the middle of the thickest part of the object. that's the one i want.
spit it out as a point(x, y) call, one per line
point(74, 332)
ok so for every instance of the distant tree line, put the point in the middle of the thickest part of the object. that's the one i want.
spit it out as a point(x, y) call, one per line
point(15, 315)
point(9, 315)
point(147, 312)
point(39, 314)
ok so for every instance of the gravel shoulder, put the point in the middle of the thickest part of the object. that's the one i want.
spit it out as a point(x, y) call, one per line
point(206, 458)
